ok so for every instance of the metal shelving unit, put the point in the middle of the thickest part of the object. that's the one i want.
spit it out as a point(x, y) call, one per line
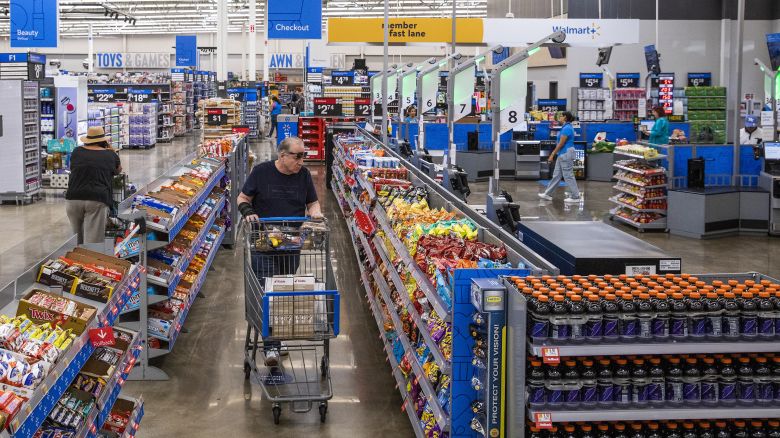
point(20, 168)
point(631, 214)
point(521, 346)
point(48, 393)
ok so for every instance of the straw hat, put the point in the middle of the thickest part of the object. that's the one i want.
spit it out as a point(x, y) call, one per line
point(95, 134)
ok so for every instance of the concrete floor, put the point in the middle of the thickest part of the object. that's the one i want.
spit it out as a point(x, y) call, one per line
point(207, 395)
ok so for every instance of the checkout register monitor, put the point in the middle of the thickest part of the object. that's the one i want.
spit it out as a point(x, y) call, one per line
point(647, 125)
point(772, 151)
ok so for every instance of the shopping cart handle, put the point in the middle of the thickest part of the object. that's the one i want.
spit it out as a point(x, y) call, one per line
point(285, 219)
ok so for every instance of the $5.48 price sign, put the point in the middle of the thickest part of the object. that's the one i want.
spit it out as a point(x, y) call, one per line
point(362, 107)
point(327, 107)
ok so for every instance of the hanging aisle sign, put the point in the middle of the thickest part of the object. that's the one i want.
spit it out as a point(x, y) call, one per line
point(404, 30)
point(295, 19)
point(627, 80)
point(34, 23)
point(186, 50)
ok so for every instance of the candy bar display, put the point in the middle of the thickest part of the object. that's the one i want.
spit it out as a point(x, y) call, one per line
point(10, 405)
point(120, 418)
point(85, 273)
point(44, 307)
point(761, 428)
point(641, 186)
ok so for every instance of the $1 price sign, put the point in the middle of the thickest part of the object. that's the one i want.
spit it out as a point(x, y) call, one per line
point(216, 117)
point(327, 107)
point(362, 107)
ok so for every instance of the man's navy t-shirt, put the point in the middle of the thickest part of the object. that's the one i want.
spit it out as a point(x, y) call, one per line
point(279, 195)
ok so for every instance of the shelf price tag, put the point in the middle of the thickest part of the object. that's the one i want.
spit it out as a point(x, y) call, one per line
point(103, 95)
point(362, 107)
point(591, 80)
point(327, 107)
point(699, 79)
point(627, 80)
point(139, 96)
point(551, 355)
point(216, 116)
point(543, 420)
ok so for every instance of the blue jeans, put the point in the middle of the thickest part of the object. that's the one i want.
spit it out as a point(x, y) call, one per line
point(564, 170)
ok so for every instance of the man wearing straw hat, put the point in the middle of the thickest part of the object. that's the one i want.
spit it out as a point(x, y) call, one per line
point(89, 194)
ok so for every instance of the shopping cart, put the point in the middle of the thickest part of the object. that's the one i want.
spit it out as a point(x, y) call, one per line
point(305, 320)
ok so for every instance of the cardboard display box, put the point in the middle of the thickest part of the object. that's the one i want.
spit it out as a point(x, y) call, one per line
point(40, 314)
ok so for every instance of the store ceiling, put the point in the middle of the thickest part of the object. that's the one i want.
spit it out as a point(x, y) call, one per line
point(200, 16)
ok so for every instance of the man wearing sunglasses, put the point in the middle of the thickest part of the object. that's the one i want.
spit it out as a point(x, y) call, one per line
point(280, 188)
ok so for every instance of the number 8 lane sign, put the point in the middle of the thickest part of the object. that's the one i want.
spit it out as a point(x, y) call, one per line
point(510, 117)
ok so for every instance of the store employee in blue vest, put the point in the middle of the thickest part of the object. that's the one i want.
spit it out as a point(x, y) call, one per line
point(280, 188)
point(564, 167)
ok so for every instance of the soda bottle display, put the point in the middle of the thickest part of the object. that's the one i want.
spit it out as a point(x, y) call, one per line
point(629, 323)
point(622, 383)
point(586, 431)
point(619, 431)
point(705, 430)
point(757, 430)
point(535, 432)
point(611, 317)
point(748, 315)
point(570, 431)
point(571, 385)
point(656, 389)
point(577, 317)
point(593, 327)
point(637, 430)
point(727, 382)
point(644, 313)
point(604, 431)
point(539, 320)
point(746, 388)
point(739, 429)
point(588, 376)
point(688, 430)
point(709, 381)
point(722, 430)
point(714, 312)
point(604, 383)
point(764, 384)
point(691, 381)
point(661, 320)
point(766, 316)
point(776, 376)
point(554, 385)
point(674, 381)
point(559, 319)
point(653, 430)
point(697, 320)
point(640, 380)
point(731, 316)
point(678, 328)
point(773, 429)
point(537, 392)
point(672, 431)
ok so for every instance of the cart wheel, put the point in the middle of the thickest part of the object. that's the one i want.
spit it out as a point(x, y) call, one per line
point(277, 413)
point(324, 367)
point(247, 370)
point(323, 412)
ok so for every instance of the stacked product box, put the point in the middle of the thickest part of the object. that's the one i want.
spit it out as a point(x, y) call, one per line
point(707, 114)
point(142, 125)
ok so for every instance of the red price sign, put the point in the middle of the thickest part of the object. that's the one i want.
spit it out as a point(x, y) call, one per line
point(362, 107)
point(327, 107)
point(102, 337)
point(543, 420)
point(551, 355)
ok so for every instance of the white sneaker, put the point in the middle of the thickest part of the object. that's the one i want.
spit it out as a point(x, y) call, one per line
point(283, 350)
point(572, 200)
point(271, 358)
point(545, 197)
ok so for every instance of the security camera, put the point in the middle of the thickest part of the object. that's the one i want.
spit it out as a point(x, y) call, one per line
point(85, 63)
point(55, 63)
point(559, 38)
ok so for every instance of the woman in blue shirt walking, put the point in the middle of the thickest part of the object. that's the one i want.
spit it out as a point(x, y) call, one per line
point(276, 109)
point(564, 167)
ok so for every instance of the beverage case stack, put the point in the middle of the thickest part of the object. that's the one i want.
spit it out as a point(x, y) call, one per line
point(645, 356)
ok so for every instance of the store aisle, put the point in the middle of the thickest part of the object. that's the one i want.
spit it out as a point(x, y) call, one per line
point(31, 232)
point(207, 394)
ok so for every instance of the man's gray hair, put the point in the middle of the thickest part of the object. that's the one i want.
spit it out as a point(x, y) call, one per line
point(287, 143)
